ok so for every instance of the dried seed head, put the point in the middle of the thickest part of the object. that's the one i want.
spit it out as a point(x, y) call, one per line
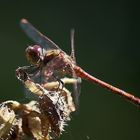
point(54, 106)
point(48, 109)
point(8, 123)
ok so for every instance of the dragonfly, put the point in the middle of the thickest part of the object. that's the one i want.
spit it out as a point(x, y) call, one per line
point(46, 56)
point(47, 67)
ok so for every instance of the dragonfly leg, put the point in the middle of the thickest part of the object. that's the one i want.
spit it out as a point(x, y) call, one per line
point(60, 83)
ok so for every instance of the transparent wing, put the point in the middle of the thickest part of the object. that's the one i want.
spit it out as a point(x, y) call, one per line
point(36, 36)
point(76, 85)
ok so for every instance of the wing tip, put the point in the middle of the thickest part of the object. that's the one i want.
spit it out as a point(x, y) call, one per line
point(23, 21)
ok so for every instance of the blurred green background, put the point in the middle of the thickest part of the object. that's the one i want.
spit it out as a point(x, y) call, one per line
point(107, 46)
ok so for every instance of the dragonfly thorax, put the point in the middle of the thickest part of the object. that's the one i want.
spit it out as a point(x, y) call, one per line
point(34, 54)
point(50, 55)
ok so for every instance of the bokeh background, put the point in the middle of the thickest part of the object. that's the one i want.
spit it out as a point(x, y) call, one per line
point(107, 46)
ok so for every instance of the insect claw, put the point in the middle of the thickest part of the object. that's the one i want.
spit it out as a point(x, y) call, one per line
point(21, 74)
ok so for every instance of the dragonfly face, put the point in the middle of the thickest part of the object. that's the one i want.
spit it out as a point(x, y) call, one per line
point(37, 55)
point(34, 54)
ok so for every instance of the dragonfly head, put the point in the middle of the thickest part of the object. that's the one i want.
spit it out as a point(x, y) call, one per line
point(34, 54)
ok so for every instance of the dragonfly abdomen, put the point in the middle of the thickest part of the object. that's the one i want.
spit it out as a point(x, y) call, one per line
point(81, 73)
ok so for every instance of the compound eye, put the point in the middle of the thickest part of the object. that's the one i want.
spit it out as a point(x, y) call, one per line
point(33, 54)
